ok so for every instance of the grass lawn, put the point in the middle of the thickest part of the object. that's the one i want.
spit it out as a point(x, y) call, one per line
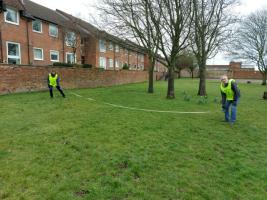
point(74, 148)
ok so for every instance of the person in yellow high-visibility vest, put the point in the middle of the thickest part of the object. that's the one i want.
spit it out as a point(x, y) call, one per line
point(53, 81)
point(230, 96)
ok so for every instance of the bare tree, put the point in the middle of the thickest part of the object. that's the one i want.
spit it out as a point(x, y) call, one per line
point(158, 25)
point(131, 19)
point(173, 31)
point(212, 23)
point(250, 42)
point(72, 38)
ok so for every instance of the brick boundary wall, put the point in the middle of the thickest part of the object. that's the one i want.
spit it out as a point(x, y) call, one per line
point(247, 74)
point(28, 78)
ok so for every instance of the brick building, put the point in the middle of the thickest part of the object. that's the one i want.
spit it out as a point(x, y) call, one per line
point(31, 34)
point(234, 70)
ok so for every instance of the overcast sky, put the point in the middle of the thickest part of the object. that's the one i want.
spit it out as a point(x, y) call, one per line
point(85, 10)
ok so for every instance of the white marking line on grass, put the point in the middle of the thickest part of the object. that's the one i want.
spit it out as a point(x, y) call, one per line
point(140, 109)
point(77, 95)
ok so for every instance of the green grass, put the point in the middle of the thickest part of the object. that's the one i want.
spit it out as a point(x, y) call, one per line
point(73, 148)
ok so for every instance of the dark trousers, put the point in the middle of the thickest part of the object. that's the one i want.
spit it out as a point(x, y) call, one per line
point(58, 88)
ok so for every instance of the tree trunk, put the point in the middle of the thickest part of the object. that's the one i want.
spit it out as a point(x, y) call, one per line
point(202, 81)
point(151, 74)
point(264, 78)
point(170, 92)
point(150, 80)
point(192, 74)
point(265, 95)
point(179, 74)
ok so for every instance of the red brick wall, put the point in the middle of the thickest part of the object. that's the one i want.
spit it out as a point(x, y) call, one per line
point(18, 34)
point(15, 33)
point(242, 74)
point(22, 79)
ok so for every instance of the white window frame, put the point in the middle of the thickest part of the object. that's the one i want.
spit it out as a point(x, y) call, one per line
point(110, 46)
point(68, 42)
point(36, 48)
point(110, 63)
point(50, 26)
point(37, 20)
point(102, 48)
point(141, 57)
point(10, 22)
point(74, 56)
point(56, 52)
point(104, 62)
point(117, 63)
point(15, 57)
point(117, 48)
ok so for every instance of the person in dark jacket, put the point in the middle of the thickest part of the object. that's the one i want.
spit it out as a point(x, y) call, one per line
point(53, 81)
point(230, 96)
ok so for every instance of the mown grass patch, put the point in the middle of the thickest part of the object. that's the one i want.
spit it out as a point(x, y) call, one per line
point(75, 148)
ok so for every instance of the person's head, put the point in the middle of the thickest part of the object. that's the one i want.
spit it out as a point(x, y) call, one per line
point(224, 79)
point(53, 73)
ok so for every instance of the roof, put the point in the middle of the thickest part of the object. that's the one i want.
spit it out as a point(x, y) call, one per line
point(97, 32)
point(58, 17)
point(14, 3)
point(41, 12)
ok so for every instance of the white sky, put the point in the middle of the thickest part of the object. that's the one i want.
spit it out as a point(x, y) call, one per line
point(85, 10)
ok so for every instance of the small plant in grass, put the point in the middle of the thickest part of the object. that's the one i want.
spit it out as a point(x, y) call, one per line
point(187, 97)
point(202, 100)
point(184, 92)
point(216, 100)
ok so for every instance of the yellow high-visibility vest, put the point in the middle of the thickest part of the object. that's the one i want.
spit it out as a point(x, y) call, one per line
point(228, 90)
point(53, 80)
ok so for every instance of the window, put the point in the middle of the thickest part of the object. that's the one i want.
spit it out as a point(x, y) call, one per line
point(53, 30)
point(126, 52)
point(38, 54)
point(12, 16)
point(141, 57)
point(54, 56)
point(117, 63)
point(102, 46)
point(37, 26)
point(110, 62)
point(70, 39)
point(102, 62)
point(110, 46)
point(265, 59)
point(13, 53)
point(117, 48)
point(70, 58)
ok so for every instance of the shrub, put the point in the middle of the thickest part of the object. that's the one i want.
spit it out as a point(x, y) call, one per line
point(61, 64)
point(101, 69)
point(125, 66)
point(86, 65)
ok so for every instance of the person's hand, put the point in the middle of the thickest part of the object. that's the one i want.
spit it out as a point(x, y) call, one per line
point(234, 103)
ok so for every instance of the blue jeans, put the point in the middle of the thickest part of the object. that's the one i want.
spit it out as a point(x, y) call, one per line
point(229, 105)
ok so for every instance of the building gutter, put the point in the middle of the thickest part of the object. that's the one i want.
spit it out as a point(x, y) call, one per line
point(1, 49)
point(28, 41)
